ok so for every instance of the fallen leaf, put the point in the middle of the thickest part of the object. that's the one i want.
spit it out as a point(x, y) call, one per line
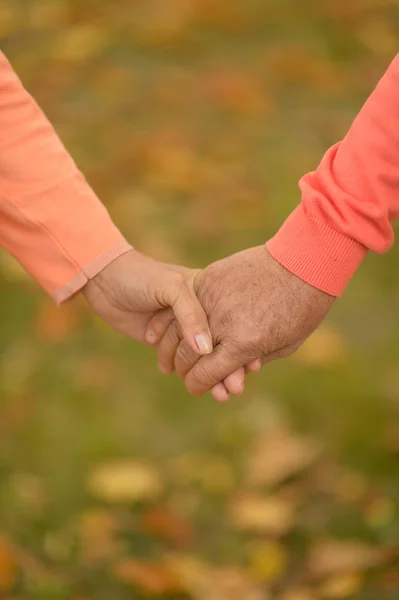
point(97, 536)
point(230, 583)
point(341, 586)
point(79, 43)
point(125, 481)
point(380, 513)
point(278, 455)
point(223, 14)
point(262, 514)
point(236, 91)
point(268, 560)
point(332, 557)
point(157, 23)
point(207, 582)
point(160, 521)
point(295, 64)
point(190, 569)
point(150, 577)
point(298, 594)
point(47, 13)
point(30, 492)
point(390, 579)
point(340, 482)
point(378, 37)
point(215, 475)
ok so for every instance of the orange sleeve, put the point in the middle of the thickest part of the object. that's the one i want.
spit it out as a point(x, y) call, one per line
point(349, 202)
point(51, 221)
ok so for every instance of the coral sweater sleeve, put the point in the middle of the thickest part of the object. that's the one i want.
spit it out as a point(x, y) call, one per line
point(51, 221)
point(349, 202)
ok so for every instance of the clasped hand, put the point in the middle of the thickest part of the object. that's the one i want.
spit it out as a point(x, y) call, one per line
point(214, 325)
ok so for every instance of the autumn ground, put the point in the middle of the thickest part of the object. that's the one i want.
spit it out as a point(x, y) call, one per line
point(193, 120)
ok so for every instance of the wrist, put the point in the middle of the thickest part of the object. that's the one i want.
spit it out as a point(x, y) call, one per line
point(319, 255)
point(108, 278)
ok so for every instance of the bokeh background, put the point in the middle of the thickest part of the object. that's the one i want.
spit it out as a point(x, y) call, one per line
point(193, 120)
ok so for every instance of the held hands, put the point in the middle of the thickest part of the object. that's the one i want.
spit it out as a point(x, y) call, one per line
point(258, 311)
point(130, 291)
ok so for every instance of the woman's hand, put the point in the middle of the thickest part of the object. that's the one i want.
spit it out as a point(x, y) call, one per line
point(129, 291)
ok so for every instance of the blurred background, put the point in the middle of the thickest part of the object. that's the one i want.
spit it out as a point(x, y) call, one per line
point(193, 120)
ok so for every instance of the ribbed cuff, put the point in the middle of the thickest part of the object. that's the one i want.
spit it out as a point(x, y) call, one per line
point(63, 293)
point(323, 257)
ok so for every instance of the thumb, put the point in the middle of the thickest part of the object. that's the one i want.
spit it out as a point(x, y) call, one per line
point(191, 318)
point(209, 370)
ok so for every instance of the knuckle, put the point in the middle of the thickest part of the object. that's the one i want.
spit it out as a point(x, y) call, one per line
point(191, 318)
point(184, 359)
point(192, 388)
point(179, 281)
point(204, 377)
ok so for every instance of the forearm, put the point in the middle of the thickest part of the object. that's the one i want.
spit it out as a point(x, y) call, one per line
point(50, 218)
point(349, 202)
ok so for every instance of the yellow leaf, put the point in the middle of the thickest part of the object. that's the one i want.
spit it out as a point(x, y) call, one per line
point(268, 515)
point(380, 512)
point(345, 485)
point(80, 43)
point(191, 570)
point(231, 583)
point(278, 455)
point(268, 560)
point(379, 37)
point(214, 474)
point(298, 594)
point(158, 23)
point(97, 536)
point(332, 557)
point(30, 492)
point(324, 348)
point(206, 582)
point(47, 13)
point(150, 577)
point(125, 481)
point(342, 586)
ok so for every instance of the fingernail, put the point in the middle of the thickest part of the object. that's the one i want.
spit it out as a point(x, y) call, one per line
point(204, 343)
point(163, 370)
point(150, 337)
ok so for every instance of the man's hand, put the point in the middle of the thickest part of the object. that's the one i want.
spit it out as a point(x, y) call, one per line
point(257, 310)
point(129, 291)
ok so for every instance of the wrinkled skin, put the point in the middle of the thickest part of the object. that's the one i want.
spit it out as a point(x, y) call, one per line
point(257, 311)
